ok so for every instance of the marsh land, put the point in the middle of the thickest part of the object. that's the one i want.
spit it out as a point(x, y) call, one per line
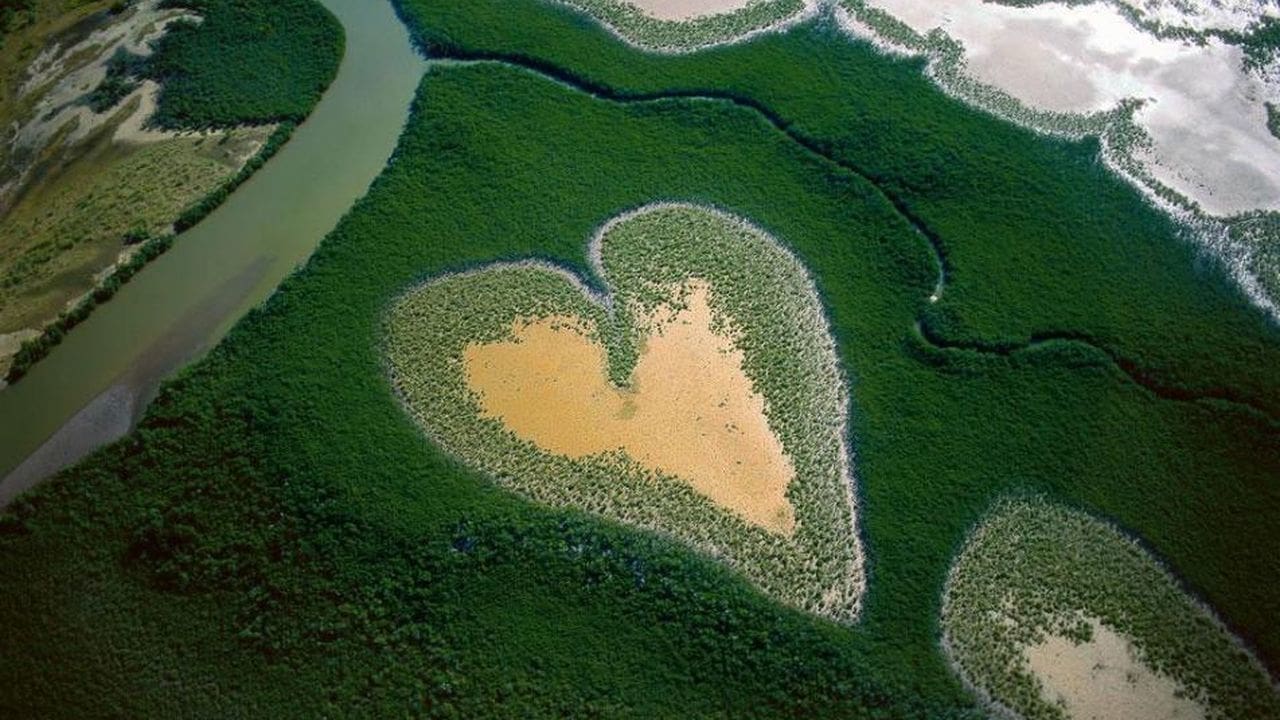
point(766, 361)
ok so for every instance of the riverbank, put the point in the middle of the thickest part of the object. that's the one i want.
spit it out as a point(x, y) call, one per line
point(122, 133)
point(191, 296)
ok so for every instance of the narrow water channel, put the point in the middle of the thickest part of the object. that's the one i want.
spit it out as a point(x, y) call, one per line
point(95, 385)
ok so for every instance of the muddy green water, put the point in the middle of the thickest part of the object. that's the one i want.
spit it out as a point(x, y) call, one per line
point(95, 385)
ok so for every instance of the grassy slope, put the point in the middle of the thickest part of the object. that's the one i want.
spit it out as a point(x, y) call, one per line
point(277, 495)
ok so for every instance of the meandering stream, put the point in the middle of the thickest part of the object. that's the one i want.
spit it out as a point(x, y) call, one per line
point(94, 386)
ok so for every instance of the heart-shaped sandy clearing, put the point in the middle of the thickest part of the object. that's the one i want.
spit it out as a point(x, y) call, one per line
point(690, 411)
point(700, 398)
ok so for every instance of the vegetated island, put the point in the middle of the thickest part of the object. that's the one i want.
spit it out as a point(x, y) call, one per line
point(131, 122)
point(1054, 615)
point(700, 397)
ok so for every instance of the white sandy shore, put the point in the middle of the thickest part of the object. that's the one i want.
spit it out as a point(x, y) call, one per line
point(1203, 111)
point(687, 9)
point(691, 12)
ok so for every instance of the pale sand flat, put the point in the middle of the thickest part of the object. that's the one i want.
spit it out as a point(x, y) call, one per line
point(1103, 679)
point(687, 9)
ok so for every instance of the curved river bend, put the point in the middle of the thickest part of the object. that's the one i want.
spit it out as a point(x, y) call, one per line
point(94, 386)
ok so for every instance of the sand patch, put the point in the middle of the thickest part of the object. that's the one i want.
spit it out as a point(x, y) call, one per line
point(1103, 679)
point(680, 26)
point(691, 411)
point(1034, 578)
point(687, 9)
point(10, 344)
point(134, 128)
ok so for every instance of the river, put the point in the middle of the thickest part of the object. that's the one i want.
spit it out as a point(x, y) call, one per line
point(95, 386)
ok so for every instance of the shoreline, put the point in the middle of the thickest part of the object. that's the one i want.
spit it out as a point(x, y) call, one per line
point(233, 260)
point(1121, 138)
point(132, 131)
point(610, 17)
point(113, 277)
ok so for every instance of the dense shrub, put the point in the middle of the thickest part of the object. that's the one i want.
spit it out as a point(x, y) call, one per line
point(11, 11)
point(244, 62)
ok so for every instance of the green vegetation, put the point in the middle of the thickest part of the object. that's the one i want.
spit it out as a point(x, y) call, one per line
point(1033, 568)
point(240, 63)
point(1261, 43)
point(947, 66)
point(244, 62)
point(278, 538)
point(640, 28)
point(20, 14)
point(11, 11)
point(961, 174)
point(1261, 231)
point(645, 257)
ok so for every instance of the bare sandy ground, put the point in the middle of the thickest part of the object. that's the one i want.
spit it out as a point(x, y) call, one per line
point(687, 9)
point(691, 411)
point(1104, 680)
point(134, 128)
point(1204, 113)
point(10, 342)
